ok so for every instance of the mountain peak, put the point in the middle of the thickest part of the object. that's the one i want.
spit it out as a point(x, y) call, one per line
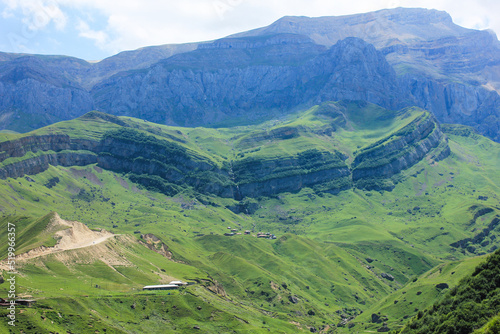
point(374, 27)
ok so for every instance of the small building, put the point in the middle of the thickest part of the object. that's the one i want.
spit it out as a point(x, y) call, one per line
point(25, 302)
point(234, 230)
point(260, 235)
point(248, 232)
point(161, 287)
point(229, 234)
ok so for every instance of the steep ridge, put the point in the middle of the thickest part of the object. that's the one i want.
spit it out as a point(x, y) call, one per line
point(169, 164)
point(413, 39)
point(398, 152)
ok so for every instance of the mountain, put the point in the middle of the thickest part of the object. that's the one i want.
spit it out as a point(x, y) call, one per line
point(409, 57)
point(233, 78)
point(413, 40)
point(437, 61)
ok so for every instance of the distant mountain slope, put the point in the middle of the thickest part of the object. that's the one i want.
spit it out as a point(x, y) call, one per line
point(250, 78)
point(420, 40)
point(420, 58)
point(448, 69)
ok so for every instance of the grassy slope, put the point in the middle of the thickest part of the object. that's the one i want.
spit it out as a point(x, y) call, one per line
point(467, 306)
point(326, 239)
point(415, 296)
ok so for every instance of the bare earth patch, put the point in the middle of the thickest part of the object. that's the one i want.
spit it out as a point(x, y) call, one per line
point(88, 175)
point(71, 235)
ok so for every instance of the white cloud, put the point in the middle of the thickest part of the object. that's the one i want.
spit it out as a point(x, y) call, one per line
point(99, 37)
point(37, 14)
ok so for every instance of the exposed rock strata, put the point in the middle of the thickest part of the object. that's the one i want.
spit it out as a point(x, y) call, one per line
point(167, 165)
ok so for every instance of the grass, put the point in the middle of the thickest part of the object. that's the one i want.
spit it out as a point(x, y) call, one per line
point(415, 295)
point(327, 261)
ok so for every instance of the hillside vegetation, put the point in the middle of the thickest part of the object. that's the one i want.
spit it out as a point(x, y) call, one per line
point(466, 307)
point(345, 248)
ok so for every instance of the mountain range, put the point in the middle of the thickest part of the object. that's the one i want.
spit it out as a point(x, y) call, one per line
point(395, 58)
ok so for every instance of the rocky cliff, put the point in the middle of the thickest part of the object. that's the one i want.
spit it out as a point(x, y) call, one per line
point(31, 86)
point(263, 177)
point(374, 166)
point(445, 68)
point(238, 77)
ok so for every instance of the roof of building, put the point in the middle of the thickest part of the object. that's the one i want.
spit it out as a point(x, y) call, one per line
point(161, 286)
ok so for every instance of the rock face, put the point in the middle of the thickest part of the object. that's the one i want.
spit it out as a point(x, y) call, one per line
point(419, 58)
point(152, 242)
point(387, 276)
point(375, 164)
point(30, 86)
point(233, 77)
point(449, 70)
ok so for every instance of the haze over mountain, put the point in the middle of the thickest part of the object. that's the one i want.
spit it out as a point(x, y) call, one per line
point(420, 58)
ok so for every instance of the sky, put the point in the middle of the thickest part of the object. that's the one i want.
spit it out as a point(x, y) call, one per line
point(96, 29)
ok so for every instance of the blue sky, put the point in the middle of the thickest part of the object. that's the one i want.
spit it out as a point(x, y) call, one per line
point(95, 29)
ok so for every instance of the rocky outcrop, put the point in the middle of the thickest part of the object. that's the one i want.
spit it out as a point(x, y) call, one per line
point(167, 166)
point(295, 183)
point(41, 163)
point(41, 151)
point(263, 177)
point(387, 276)
point(19, 147)
point(455, 102)
point(123, 150)
point(154, 243)
point(374, 165)
point(129, 151)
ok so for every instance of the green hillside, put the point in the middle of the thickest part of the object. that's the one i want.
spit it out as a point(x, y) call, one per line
point(466, 307)
point(343, 250)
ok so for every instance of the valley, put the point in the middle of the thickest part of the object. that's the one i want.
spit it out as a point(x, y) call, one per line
point(346, 246)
